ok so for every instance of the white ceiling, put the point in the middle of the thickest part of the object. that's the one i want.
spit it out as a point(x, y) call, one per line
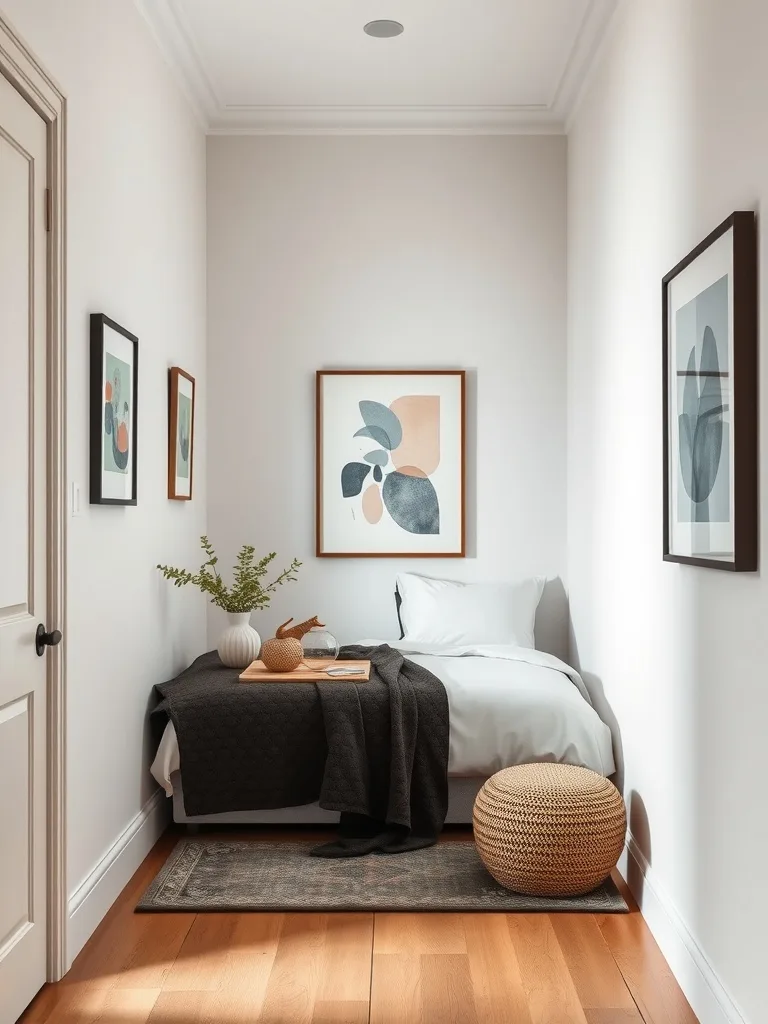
point(306, 66)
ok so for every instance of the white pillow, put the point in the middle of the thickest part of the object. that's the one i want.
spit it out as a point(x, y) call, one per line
point(457, 614)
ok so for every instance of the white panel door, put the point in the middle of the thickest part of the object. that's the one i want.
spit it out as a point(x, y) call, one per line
point(23, 272)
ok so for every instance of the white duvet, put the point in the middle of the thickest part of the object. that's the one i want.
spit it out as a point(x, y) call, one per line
point(508, 705)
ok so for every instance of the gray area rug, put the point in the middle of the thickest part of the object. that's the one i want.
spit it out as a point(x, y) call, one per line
point(247, 874)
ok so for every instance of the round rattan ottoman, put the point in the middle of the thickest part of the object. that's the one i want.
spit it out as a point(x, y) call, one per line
point(549, 829)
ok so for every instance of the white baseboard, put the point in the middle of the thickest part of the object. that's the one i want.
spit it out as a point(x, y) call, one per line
point(100, 888)
point(709, 999)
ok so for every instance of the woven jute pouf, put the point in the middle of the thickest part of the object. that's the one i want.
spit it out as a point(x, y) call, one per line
point(549, 829)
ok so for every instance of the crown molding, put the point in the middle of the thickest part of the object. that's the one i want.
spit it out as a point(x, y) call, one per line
point(592, 30)
point(396, 120)
point(175, 40)
point(599, 47)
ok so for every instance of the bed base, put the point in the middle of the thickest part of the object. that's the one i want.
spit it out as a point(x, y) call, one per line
point(461, 799)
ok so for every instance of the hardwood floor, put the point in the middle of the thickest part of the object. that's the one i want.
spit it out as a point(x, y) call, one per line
point(362, 968)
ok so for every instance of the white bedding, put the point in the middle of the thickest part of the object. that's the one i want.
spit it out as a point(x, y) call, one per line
point(508, 705)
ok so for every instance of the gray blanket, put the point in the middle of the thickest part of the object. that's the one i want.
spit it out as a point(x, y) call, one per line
point(376, 750)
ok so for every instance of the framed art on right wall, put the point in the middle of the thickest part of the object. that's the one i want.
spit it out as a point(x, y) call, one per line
point(709, 359)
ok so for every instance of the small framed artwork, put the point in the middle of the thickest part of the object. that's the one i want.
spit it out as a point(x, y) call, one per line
point(390, 463)
point(181, 433)
point(709, 358)
point(114, 397)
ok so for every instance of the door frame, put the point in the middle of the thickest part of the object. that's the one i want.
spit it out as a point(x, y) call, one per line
point(25, 73)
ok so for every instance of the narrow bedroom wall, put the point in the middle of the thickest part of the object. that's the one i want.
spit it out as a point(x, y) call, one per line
point(136, 251)
point(669, 140)
point(387, 252)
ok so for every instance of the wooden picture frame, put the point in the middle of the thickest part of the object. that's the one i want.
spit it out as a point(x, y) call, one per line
point(413, 504)
point(114, 397)
point(710, 401)
point(181, 433)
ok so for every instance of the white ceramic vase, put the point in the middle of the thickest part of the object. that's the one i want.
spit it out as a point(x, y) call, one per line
point(239, 644)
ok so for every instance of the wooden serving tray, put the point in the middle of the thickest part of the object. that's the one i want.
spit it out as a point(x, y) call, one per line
point(258, 673)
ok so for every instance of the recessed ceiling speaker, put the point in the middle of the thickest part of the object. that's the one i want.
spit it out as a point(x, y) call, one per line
point(383, 29)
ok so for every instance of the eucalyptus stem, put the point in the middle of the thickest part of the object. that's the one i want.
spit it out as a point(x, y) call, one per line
point(247, 591)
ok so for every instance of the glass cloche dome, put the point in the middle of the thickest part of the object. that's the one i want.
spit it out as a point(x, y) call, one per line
point(321, 648)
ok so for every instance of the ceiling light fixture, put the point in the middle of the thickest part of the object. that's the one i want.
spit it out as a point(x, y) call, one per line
point(383, 28)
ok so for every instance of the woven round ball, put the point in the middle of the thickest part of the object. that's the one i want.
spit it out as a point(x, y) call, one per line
point(282, 655)
point(549, 829)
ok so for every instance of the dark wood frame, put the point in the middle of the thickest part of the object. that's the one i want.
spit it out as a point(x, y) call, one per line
point(744, 390)
point(173, 414)
point(98, 322)
point(461, 374)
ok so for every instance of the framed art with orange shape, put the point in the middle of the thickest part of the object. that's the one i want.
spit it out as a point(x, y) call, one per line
point(113, 413)
point(413, 501)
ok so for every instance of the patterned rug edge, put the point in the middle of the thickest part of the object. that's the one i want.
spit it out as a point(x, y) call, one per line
point(587, 904)
point(142, 907)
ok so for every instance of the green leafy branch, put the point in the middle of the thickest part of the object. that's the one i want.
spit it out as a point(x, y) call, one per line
point(247, 592)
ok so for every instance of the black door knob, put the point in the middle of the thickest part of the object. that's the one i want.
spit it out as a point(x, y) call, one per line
point(43, 639)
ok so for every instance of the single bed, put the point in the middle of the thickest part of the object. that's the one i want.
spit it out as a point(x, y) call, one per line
point(508, 705)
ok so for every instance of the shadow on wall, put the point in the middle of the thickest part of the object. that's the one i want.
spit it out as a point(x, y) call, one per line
point(551, 626)
point(601, 705)
point(600, 702)
point(640, 830)
point(637, 815)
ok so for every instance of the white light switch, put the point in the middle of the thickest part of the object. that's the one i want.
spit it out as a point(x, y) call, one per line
point(75, 499)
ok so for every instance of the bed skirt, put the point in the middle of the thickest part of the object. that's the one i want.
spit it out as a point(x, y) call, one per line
point(462, 791)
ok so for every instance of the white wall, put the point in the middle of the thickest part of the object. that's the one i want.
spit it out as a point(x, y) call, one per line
point(136, 191)
point(387, 252)
point(669, 140)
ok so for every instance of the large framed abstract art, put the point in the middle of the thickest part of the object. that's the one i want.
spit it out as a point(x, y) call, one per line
point(114, 394)
point(390, 463)
point(709, 358)
point(181, 433)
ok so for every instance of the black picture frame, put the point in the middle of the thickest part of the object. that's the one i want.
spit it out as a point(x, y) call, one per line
point(97, 411)
point(743, 391)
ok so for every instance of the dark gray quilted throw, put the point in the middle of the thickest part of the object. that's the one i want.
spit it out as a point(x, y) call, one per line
point(375, 751)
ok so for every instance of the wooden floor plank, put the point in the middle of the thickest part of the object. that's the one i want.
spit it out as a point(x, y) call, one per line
point(346, 967)
point(546, 979)
point(200, 963)
point(296, 973)
point(396, 988)
point(247, 968)
point(645, 971)
point(495, 972)
point(419, 933)
point(180, 1005)
point(346, 1012)
point(446, 989)
point(597, 979)
point(131, 952)
point(88, 1004)
point(595, 1016)
point(58, 1002)
point(157, 941)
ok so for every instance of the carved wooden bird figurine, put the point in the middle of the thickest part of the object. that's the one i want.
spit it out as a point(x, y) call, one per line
point(297, 631)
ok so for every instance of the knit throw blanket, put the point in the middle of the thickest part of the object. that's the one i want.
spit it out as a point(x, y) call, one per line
point(375, 751)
